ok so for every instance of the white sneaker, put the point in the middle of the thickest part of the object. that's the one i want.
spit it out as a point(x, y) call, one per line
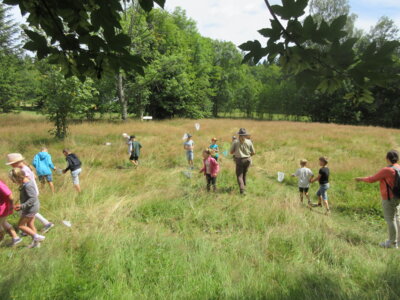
point(388, 244)
point(16, 241)
point(34, 244)
point(39, 238)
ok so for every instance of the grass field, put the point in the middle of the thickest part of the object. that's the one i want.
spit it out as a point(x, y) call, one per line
point(152, 233)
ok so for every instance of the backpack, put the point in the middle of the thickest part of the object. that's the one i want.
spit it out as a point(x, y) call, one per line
point(396, 187)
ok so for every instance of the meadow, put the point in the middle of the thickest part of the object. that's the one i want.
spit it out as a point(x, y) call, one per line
point(153, 233)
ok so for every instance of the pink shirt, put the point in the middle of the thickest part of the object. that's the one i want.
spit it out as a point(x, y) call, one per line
point(213, 167)
point(385, 175)
point(5, 202)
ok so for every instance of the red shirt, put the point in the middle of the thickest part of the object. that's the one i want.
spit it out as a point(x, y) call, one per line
point(385, 175)
point(214, 166)
point(5, 201)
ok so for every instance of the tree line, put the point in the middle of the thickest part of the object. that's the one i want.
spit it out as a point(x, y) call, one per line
point(187, 75)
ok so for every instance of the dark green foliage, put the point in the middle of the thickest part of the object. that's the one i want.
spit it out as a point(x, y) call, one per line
point(321, 53)
point(82, 36)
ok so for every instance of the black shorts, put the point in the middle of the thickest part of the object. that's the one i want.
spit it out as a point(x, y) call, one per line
point(133, 157)
point(303, 190)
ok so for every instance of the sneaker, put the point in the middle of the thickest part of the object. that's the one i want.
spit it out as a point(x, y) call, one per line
point(23, 234)
point(34, 244)
point(16, 241)
point(47, 227)
point(39, 238)
point(388, 244)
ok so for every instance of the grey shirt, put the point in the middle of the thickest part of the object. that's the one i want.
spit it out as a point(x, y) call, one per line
point(29, 198)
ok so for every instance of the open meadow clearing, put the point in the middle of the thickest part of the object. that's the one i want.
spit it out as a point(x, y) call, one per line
point(153, 233)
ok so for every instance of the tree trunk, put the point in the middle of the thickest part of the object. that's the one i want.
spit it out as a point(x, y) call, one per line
point(121, 97)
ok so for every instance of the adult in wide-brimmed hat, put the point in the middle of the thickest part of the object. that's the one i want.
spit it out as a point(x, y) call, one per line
point(14, 158)
point(243, 150)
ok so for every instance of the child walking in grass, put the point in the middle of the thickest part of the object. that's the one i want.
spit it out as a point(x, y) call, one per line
point(304, 176)
point(16, 160)
point(6, 209)
point(44, 166)
point(189, 147)
point(74, 165)
point(214, 148)
point(210, 170)
point(134, 150)
point(323, 179)
point(29, 206)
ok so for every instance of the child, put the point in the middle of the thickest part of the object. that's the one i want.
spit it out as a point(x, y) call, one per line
point(43, 164)
point(74, 165)
point(29, 206)
point(6, 209)
point(323, 179)
point(134, 150)
point(189, 147)
point(304, 175)
point(210, 169)
point(16, 160)
point(214, 148)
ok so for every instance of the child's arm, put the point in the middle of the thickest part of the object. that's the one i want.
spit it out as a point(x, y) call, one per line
point(315, 179)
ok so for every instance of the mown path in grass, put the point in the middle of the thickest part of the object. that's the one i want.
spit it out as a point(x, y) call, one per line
point(153, 233)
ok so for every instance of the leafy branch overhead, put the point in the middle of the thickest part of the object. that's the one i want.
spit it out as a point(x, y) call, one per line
point(322, 55)
point(83, 36)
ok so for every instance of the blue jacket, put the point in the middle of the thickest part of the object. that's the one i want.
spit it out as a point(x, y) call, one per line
point(43, 164)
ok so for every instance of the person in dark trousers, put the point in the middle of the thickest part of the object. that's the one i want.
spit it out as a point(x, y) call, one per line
point(74, 165)
point(243, 150)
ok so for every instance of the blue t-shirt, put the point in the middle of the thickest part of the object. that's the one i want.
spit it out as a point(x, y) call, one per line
point(215, 147)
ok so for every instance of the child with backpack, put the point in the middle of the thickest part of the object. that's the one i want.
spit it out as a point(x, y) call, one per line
point(134, 150)
point(74, 165)
point(323, 179)
point(210, 170)
point(304, 176)
point(29, 206)
point(389, 183)
point(6, 209)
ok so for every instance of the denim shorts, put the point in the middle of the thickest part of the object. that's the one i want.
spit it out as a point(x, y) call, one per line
point(189, 155)
point(48, 178)
point(323, 188)
point(75, 175)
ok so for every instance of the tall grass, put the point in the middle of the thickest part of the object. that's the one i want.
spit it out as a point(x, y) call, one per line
point(152, 233)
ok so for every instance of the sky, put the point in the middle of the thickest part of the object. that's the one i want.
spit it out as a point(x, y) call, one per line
point(238, 20)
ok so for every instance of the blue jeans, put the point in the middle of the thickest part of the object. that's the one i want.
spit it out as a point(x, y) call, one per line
point(322, 192)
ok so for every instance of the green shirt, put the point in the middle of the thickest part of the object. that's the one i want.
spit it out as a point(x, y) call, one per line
point(136, 148)
point(242, 150)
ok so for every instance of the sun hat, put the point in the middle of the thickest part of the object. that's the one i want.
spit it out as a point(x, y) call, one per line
point(242, 131)
point(214, 139)
point(13, 158)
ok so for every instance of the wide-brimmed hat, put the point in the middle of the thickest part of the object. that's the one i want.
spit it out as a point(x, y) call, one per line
point(13, 158)
point(242, 131)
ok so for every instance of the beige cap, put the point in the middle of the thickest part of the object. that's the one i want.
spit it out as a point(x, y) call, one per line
point(13, 158)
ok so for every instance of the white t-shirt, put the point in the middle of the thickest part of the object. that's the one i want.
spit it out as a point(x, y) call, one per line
point(304, 175)
point(189, 144)
point(28, 173)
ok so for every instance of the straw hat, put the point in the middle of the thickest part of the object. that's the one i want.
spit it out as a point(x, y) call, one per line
point(13, 158)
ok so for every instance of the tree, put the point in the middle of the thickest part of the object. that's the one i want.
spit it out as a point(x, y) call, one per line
point(84, 37)
point(334, 65)
point(65, 98)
